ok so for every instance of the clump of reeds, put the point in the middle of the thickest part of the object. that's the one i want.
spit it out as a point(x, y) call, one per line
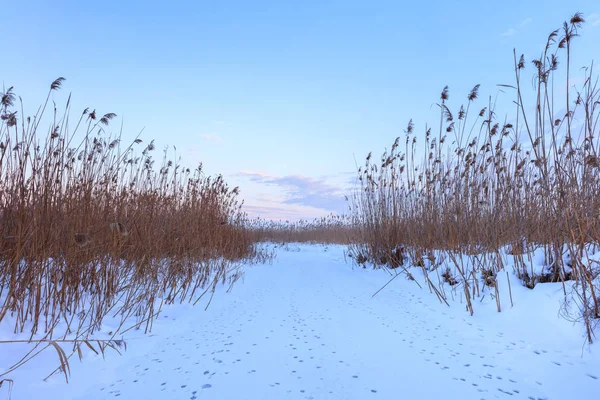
point(332, 229)
point(483, 185)
point(91, 226)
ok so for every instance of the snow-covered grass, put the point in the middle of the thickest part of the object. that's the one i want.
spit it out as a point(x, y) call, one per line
point(307, 326)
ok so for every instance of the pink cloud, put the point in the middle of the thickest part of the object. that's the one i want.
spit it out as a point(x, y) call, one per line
point(303, 191)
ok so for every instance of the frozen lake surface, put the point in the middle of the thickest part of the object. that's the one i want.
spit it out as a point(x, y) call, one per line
point(308, 327)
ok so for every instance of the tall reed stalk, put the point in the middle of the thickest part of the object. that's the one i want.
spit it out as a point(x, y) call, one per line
point(484, 185)
point(91, 227)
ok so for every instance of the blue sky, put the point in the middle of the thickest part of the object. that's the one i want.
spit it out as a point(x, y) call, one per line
point(282, 98)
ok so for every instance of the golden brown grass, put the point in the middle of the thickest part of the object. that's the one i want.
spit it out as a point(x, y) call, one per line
point(333, 229)
point(483, 183)
point(91, 227)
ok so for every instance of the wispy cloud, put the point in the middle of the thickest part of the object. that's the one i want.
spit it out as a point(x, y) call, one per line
point(303, 191)
point(594, 19)
point(513, 30)
point(211, 137)
point(526, 21)
point(509, 32)
point(272, 212)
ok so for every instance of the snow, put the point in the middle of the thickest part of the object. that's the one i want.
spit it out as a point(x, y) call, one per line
point(308, 327)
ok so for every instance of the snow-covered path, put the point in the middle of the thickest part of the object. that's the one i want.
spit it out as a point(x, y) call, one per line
point(307, 327)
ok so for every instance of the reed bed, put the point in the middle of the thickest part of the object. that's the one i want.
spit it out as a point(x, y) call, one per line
point(92, 228)
point(332, 229)
point(480, 191)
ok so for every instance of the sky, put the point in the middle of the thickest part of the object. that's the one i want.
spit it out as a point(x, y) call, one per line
point(282, 98)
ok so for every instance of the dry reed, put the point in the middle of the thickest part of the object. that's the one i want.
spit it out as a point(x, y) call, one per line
point(91, 227)
point(482, 186)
